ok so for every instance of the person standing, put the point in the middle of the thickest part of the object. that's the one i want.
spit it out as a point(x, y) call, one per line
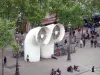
point(22, 46)
point(87, 30)
point(81, 43)
point(75, 38)
point(92, 43)
point(95, 43)
point(91, 32)
point(93, 69)
point(88, 36)
point(84, 42)
point(5, 61)
point(73, 32)
point(83, 36)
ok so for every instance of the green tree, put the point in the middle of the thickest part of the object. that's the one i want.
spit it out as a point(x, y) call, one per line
point(15, 47)
point(67, 10)
point(29, 8)
point(6, 36)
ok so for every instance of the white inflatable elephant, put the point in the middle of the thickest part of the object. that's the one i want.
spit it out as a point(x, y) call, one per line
point(39, 41)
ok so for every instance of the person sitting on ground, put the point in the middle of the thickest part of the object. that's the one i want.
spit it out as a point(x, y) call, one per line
point(52, 72)
point(53, 56)
point(65, 41)
point(58, 72)
point(56, 45)
point(27, 58)
point(76, 68)
point(70, 69)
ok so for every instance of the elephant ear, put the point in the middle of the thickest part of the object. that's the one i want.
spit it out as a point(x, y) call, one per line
point(55, 32)
point(41, 36)
point(58, 33)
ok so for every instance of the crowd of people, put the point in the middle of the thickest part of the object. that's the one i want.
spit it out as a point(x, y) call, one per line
point(69, 69)
point(91, 36)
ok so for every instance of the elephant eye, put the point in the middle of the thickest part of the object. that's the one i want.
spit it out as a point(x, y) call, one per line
point(56, 32)
point(42, 35)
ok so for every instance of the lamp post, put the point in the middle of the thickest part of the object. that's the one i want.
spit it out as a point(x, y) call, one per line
point(70, 37)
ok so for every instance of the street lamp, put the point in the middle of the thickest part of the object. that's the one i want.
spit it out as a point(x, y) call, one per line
point(69, 45)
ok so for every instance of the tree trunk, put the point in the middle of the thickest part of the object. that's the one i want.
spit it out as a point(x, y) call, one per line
point(2, 61)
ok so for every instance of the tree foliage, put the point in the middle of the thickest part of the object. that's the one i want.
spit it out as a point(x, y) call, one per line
point(73, 10)
point(67, 10)
point(29, 8)
point(15, 47)
point(6, 32)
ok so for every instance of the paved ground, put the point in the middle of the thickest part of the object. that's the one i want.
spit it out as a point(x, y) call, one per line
point(85, 58)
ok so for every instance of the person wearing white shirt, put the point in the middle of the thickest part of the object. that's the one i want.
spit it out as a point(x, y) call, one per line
point(81, 43)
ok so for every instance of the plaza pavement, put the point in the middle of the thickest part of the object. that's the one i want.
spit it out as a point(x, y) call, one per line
point(85, 58)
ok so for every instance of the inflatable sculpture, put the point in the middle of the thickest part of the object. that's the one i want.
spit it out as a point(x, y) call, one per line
point(39, 41)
